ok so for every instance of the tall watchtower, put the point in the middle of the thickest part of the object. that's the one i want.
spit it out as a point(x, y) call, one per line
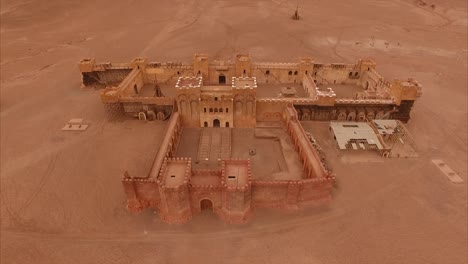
point(243, 65)
point(237, 193)
point(173, 180)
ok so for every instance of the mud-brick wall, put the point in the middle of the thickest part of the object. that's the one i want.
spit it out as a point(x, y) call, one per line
point(309, 86)
point(141, 193)
point(336, 73)
point(132, 81)
point(168, 145)
point(275, 73)
point(237, 200)
point(167, 74)
point(175, 204)
point(370, 79)
point(315, 190)
point(270, 110)
point(269, 193)
point(108, 77)
point(237, 205)
point(244, 108)
point(147, 193)
point(214, 74)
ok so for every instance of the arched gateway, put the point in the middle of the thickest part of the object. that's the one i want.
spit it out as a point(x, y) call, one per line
point(206, 204)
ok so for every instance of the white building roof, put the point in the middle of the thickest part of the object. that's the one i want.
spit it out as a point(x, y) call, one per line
point(385, 127)
point(353, 135)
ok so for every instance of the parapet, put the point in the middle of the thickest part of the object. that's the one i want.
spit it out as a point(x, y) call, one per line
point(243, 57)
point(236, 174)
point(174, 173)
point(110, 95)
point(189, 82)
point(139, 61)
point(405, 90)
point(367, 64)
point(200, 57)
point(244, 82)
point(87, 65)
point(306, 60)
point(325, 98)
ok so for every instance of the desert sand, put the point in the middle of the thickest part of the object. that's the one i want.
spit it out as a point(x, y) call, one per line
point(61, 195)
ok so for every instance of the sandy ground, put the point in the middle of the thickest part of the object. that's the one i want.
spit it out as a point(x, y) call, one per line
point(61, 198)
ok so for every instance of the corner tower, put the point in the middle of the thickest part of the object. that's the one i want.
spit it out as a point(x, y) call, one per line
point(173, 180)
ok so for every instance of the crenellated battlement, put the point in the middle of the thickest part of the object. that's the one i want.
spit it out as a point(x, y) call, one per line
point(189, 82)
point(174, 173)
point(236, 174)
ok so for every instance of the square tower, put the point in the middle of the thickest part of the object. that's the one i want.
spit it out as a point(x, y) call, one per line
point(243, 65)
point(236, 176)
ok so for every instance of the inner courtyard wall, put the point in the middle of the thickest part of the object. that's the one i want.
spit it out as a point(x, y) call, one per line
point(168, 145)
point(270, 110)
point(245, 110)
point(336, 73)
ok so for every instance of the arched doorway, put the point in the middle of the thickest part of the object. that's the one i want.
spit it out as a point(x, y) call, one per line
point(206, 204)
point(227, 124)
point(205, 124)
point(222, 79)
point(216, 123)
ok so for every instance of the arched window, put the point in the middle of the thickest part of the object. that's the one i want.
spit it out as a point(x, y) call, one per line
point(350, 74)
point(211, 110)
point(356, 74)
point(295, 72)
point(290, 73)
point(267, 72)
point(216, 110)
point(306, 72)
point(204, 109)
point(220, 110)
point(227, 110)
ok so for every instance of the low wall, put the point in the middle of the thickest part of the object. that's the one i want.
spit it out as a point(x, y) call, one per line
point(168, 145)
